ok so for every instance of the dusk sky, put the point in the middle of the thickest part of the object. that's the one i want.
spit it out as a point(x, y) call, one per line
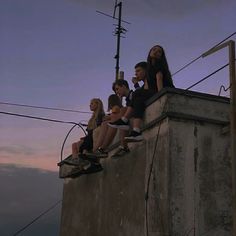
point(60, 53)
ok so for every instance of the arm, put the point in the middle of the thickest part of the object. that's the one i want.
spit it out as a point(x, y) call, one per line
point(135, 82)
point(159, 80)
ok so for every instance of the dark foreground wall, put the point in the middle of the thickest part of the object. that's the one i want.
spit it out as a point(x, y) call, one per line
point(189, 189)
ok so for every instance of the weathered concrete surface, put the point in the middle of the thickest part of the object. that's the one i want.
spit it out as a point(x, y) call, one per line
point(189, 192)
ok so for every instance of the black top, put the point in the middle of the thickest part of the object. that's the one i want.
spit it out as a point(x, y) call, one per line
point(128, 99)
point(152, 71)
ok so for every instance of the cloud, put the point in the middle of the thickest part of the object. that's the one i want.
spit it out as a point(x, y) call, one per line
point(17, 150)
point(26, 193)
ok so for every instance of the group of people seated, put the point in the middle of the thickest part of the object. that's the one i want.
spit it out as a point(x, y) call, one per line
point(153, 75)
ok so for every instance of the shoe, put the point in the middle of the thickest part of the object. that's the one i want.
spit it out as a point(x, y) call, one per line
point(98, 153)
point(134, 137)
point(90, 157)
point(119, 124)
point(73, 161)
point(94, 168)
point(65, 161)
point(120, 152)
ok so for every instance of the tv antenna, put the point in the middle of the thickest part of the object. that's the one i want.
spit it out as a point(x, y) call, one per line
point(119, 31)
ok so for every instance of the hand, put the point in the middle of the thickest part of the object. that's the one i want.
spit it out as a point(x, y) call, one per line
point(134, 80)
point(107, 117)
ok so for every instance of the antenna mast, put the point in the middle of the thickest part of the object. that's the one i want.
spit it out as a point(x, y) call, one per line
point(118, 32)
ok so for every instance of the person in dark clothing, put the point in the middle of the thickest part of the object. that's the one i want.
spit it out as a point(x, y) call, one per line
point(158, 73)
point(155, 75)
point(86, 143)
point(136, 105)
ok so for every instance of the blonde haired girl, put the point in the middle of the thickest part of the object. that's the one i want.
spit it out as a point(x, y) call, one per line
point(86, 143)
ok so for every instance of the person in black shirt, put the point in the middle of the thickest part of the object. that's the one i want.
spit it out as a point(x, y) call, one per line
point(155, 75)
point(158, 73)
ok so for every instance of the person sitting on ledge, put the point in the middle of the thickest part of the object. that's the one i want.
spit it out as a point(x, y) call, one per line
point(106, 133)
point(155, 75)
point(86, 143)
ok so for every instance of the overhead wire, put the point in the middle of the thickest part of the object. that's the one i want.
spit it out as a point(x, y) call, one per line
point(225, 89)
point(37, 118)
point(197, 58)
point(37, 218)
point(206, 77)
point(45, 108)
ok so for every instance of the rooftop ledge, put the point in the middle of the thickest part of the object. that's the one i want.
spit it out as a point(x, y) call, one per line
point(185, 104)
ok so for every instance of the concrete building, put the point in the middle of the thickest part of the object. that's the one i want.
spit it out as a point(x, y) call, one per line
point(177, 182)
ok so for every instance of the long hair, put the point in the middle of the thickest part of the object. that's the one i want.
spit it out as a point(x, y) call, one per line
point(162, 62)
point(114, 100)
point(98, 113)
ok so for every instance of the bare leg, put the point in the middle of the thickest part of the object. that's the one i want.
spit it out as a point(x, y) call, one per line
point(75, 148)
point(123, 134)
point(111, 133)
point(137, 122)
point(102, 135)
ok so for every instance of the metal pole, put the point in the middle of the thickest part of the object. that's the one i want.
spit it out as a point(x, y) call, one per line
point(117, 57)
point(233, 125)
point(231, 45)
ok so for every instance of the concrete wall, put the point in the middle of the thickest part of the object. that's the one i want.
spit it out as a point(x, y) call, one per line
point(189, 192)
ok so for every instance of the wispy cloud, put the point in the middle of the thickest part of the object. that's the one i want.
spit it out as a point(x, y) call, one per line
point(26, 192)
point(17, 150)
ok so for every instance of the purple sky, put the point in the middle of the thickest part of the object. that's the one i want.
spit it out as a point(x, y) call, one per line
point(60, 53)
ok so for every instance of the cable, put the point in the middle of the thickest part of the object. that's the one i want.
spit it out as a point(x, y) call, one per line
point(38, 118)
point(51, 120)
point(225, 89)
point(193, 85)
point(62, 148)
point(191, 62)
point(46, 108)
point(148, 181)
point(37, 218)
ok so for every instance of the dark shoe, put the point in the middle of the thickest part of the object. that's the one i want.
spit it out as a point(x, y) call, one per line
point(120, 152)
point(65, 161)
point(119, 124)
point(94, 168)
point(89, 157)
point(134, 137)
point(100, 153)
point(73, 161)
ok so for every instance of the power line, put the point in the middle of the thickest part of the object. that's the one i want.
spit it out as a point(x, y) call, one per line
point(193, 85)
point(46, 108)
point(191, 62)
point(38, 118)
point(37, 218)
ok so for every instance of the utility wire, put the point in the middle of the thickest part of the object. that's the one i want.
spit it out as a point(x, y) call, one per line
point(38, 118)
point(193, 85)
point(37, 218)
point(46, 108)
point(191, 62)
